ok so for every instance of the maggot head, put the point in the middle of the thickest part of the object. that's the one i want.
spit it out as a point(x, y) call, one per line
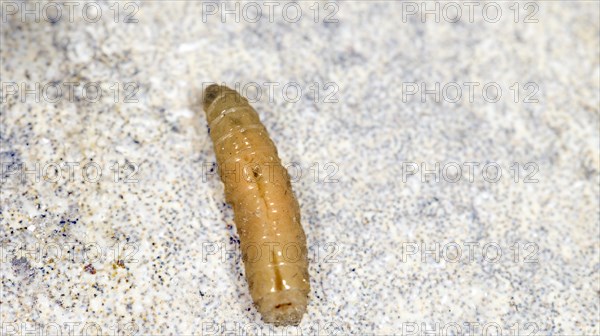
point(210, 94)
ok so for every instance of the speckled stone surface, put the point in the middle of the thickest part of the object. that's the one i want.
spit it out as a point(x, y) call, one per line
point(169, 263)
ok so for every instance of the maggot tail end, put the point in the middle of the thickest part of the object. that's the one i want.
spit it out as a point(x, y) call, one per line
point(283, 308)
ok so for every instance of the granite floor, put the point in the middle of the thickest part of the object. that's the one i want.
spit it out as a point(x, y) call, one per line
point(445, 157)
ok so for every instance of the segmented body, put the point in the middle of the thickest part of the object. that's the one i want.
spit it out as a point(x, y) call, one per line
point(267, 215)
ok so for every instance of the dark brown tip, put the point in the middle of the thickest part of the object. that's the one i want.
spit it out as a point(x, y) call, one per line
point(210, 93)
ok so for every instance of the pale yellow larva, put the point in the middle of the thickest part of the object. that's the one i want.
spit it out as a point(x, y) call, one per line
point(267, 215)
